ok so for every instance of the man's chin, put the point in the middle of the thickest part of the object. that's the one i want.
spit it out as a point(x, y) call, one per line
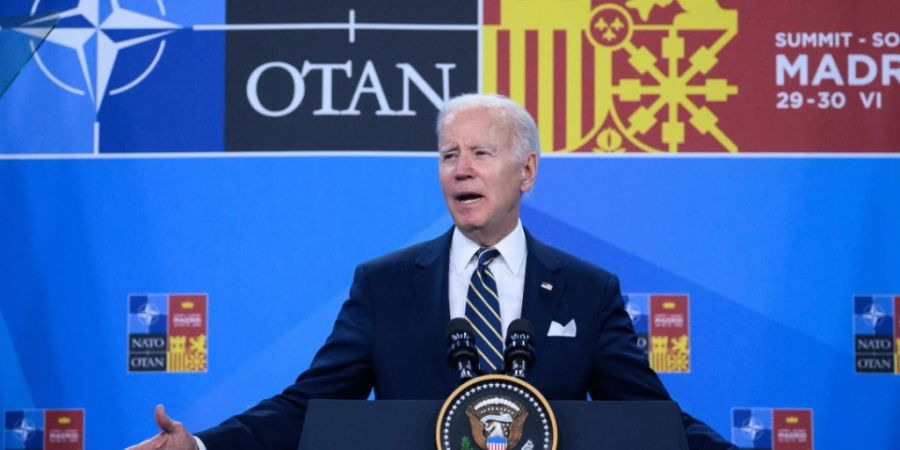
point(479, 233)
point(467, 227)
point(467, 220)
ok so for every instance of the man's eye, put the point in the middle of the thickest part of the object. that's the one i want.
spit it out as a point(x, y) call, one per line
point(482, 154)
point(448, 156)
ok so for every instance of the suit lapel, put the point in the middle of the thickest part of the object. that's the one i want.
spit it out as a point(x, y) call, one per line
point(430, 278)
point(543, 288)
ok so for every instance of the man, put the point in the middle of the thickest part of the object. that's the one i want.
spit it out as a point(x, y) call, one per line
point(389, 335)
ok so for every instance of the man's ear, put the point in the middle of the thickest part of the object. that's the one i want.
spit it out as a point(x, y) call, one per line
point(529, 172)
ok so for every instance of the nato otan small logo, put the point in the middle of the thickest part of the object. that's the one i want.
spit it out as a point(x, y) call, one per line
point(772, 428)
point(167, 333)
point(46, 429)
point(661, 322)
point(876, 330)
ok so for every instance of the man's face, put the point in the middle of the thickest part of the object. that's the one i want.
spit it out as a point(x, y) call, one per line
point(482, 178)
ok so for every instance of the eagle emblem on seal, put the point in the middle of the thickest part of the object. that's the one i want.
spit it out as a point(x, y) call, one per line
point(496, 422)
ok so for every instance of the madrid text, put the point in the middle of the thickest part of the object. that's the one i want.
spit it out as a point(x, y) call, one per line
point(858, 63)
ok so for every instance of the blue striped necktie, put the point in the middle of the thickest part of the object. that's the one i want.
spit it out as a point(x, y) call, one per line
point(483, 311)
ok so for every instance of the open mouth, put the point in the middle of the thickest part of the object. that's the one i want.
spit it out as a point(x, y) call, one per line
point(468, 198)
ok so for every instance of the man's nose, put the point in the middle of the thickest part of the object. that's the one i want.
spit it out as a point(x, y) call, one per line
point(464, 165)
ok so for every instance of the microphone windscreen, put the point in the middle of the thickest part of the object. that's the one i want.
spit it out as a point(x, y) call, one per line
point(457, 325)
point(519, 326)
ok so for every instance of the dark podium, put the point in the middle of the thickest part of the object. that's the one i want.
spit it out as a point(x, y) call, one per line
point(410, 424)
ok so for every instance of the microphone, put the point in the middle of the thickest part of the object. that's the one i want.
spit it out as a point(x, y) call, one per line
point(462, 356)
point(519, 354)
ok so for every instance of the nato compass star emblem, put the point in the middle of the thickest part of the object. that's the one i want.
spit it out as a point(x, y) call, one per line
point(24, 429)
point(752, 428)
point(873, 315)
point(633, 312)
point(148, 314)
point(91, 38)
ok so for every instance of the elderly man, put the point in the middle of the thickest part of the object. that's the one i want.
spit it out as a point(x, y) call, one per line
point(389, 335)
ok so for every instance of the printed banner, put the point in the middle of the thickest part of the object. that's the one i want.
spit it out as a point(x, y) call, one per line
point(598, 76)
point(725, 76)
point(772, 428)
point(876, 330)
point(47, 429)
point(663, 329)
point(167, 333)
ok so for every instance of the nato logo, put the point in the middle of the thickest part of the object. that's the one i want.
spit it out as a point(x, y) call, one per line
point(751, 427)
point(24, 429)
point(113, 76)
point(167, 333)
point(147, 332)
point(638, 308)
point(82, 30)
point(164, 76)
point(772, 428)
point(50, 429)
point(875, 326)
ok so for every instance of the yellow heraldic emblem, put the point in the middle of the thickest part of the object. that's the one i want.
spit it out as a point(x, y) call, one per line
point(187, 354)
point(670, 354)
point(615, 76)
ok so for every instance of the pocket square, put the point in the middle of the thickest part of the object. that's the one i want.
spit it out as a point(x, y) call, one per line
point(556, 329)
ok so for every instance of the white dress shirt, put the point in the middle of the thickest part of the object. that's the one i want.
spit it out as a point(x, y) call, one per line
point(508, 270)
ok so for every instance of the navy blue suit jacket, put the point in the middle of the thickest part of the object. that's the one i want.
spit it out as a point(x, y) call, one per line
point(389, 336)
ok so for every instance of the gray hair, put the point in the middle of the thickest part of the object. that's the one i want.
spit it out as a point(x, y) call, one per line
point(523, 130)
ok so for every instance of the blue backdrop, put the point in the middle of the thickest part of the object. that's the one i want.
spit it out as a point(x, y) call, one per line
point(770, 250)
point(121, 174)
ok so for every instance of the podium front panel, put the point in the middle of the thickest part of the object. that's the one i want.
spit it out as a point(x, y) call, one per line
point(410, 424)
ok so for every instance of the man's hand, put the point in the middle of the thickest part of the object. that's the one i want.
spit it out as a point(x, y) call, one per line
point(172, 435)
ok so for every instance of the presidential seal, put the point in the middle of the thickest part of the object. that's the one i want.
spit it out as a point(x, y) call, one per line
point(496, 412)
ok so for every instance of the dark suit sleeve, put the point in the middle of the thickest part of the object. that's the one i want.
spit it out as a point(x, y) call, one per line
point(622, 372)
point(341, 369)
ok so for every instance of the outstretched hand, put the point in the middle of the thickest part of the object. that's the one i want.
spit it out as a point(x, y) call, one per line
point(172, 436)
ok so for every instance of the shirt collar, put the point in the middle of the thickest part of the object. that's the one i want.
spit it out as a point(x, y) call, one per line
point(512, 248)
